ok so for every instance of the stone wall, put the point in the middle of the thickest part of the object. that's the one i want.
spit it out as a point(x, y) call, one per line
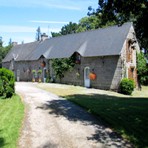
point(108, 70)
point(23, 69)
point(128, 56)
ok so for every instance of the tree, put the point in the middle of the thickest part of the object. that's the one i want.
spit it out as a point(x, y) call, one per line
point(67, 29)
point(120, 11)
point(3, 51)
point(142, 69)
point(1, 42)
point(55, 34)
point(10, 41)
point(60, 66)
point(38, 34)
point(88, 23)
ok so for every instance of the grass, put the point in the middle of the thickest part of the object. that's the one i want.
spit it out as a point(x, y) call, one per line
point(11, 115)
point(128, 115)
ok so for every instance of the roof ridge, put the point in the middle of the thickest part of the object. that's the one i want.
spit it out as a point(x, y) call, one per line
point(107, 27)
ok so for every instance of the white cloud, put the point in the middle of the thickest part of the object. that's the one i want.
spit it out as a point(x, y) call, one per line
point(65, 4)
point(24, 29)
point(48, 22)
point(22, 33)
point(16, 29)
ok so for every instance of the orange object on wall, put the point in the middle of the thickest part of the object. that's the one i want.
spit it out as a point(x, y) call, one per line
point(43, 64)
point(92, 76)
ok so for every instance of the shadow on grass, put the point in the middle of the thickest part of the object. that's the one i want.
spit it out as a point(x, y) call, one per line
point(2, 140)
point(128, 116)
point(75, 113)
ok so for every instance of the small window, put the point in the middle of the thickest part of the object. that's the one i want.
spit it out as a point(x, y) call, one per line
point(77, 58)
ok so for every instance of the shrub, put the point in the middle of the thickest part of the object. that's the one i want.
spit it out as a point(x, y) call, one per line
point(127, 86)
point(9, 92)
point(144, 79)
point(7, 81)
point(1, 87)
point(142, 69)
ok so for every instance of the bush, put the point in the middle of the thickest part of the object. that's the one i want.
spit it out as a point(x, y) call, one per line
point(1, 87)
point(7, 81)
point(144, 80)
point(127, 86)
point(142, 69)
point(9, 92)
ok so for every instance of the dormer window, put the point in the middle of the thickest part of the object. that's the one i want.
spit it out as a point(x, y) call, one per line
point(77, 58)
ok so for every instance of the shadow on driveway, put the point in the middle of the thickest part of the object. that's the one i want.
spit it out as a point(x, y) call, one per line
point(75, 113)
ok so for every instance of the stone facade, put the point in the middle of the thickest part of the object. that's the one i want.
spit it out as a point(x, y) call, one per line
point(128, 56)
point(23, 69)
point(108, 72)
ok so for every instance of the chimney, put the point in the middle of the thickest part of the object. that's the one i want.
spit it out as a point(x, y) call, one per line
point(44, 36)
point(14, 43)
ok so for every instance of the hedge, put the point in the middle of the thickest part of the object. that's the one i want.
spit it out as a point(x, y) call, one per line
point(7, 82)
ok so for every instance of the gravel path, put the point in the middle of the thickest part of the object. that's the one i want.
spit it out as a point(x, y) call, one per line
point(53, 122)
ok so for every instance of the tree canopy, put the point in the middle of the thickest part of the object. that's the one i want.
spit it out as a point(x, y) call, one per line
point(120, 11)
point(67, 29)
point(142, 69)
point(38, 34)
point(3, 51)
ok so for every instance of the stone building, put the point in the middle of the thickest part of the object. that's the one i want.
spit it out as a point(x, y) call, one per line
point(108, 54)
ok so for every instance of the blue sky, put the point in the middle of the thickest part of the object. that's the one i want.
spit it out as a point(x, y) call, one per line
point(19, 19)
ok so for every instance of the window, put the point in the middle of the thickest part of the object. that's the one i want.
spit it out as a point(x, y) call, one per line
point(77, 58)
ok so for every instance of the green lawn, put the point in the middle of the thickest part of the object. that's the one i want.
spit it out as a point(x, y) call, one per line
point(128, 115)
point(11, 115)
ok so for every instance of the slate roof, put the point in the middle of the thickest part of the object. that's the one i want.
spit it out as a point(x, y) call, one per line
point(100, 42)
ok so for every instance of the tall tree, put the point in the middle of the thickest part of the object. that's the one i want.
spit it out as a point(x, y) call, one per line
point(1, 42)
point(88, 23)
point(121, 11)
point(67, 29)
point(3, 52)
point(10, 41)
point(38, 34)
point(142, 69)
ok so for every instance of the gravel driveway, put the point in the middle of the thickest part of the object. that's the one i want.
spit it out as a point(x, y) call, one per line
point(53, 122)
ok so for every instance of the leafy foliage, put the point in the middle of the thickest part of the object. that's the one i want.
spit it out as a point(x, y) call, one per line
point(62, 65)
point(141, 63)
point(3, 52)
point(67, 29)
point(142, 68)
point(87, 23)
point(7, 81)
point(127, 86)
point(123, 11)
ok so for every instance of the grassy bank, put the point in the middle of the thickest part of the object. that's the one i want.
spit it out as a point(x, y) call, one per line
point(11, 115)
point(128, 115)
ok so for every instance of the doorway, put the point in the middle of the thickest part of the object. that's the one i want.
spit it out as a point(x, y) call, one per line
point(44, 74)
point(86, 77)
